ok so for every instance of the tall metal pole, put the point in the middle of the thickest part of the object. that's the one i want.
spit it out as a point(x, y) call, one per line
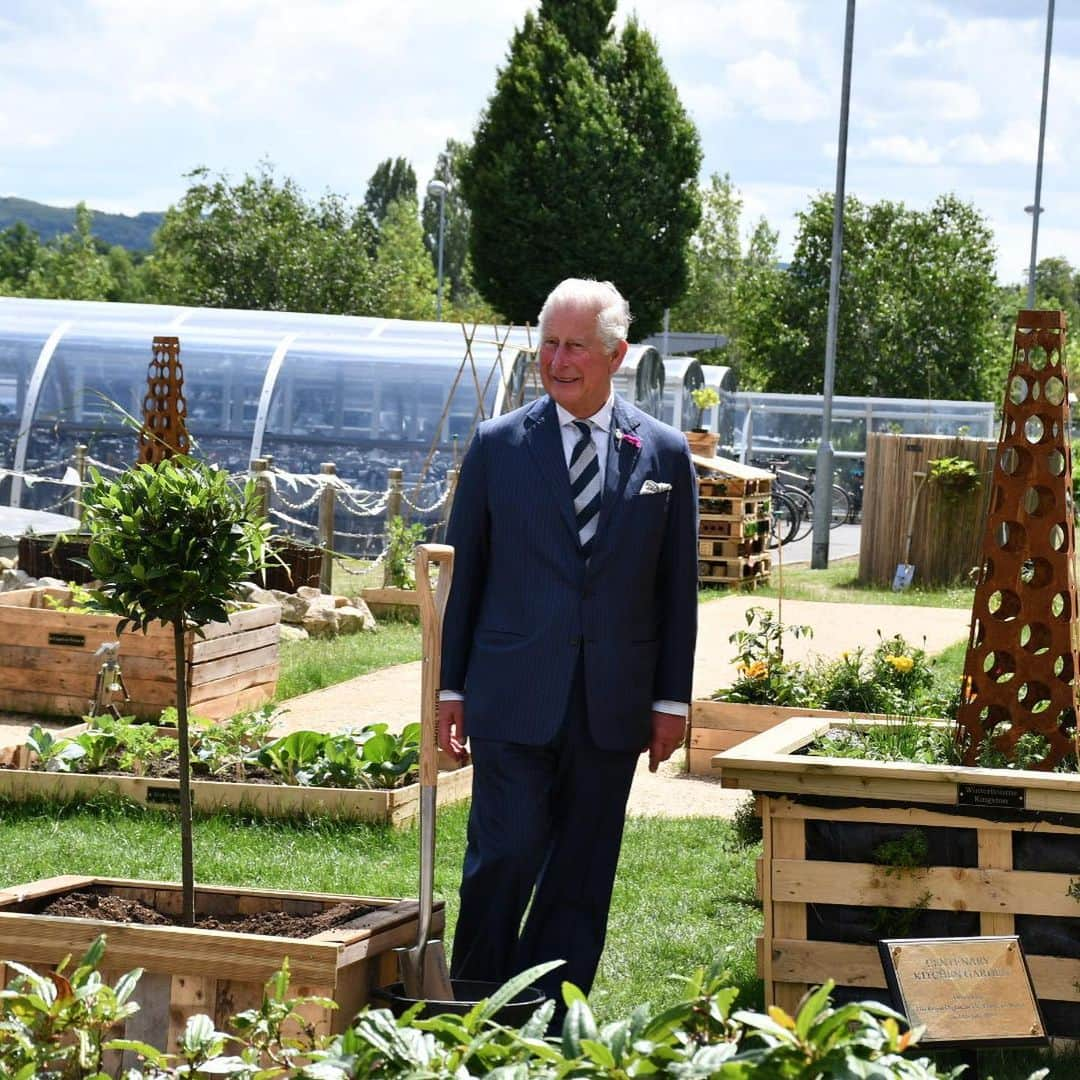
point(1036, 208)
point(437, 189)
point(823, 473)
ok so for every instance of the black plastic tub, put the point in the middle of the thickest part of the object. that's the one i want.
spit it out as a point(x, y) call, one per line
point(467, 993)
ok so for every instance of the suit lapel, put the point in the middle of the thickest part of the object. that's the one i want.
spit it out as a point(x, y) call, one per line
point(544, 440)
point(622, 456)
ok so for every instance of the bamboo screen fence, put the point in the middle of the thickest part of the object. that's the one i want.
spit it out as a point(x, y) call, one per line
point(947, 532)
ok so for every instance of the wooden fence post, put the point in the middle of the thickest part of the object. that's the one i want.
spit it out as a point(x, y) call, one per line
point(77, 495)
point(259, 469)
point(393, 510)
point(327, 496)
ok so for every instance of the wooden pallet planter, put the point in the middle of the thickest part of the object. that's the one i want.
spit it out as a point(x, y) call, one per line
point(389, 806)
point(753, 507)
point(710, 527)
point(739, 548)
point(213, 971)
point(734, 571)
point(391, 602)
point(715, 486)
point(1004, 854)
point(720, 725)
point(48, 666)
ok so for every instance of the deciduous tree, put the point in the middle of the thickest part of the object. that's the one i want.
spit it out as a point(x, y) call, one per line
point(392, 179)
point(402, 266)
point(584, 163)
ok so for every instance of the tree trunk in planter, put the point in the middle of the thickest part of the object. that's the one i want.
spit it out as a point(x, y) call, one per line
point(220, 973)
point(1002, 850)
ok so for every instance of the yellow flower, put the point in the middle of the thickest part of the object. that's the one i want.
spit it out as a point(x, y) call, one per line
point(902, 664)
point(757, 670)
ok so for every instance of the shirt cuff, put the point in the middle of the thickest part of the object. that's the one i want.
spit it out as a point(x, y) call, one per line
point(676, 708)
point(450, 695)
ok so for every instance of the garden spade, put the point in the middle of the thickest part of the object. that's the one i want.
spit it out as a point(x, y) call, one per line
point(423, 967)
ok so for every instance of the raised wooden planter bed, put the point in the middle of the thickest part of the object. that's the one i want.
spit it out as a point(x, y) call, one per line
point(393, 602)
point(390, 806)
point(48, 667)
point(215, 972)
point(720, 725)
point(1004, 854)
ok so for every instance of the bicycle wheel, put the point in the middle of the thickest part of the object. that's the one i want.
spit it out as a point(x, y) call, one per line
point(840, 508)
point(785, 520)
point(805, 505)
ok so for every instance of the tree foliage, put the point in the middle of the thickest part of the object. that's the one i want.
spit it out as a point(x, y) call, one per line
point(584, 163)
point(917, 303)
point(728, 281)
point(405, 276)
point(393, 179)
point(260, 244)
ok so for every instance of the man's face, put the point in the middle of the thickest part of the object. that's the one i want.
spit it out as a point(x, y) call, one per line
point(575, 368)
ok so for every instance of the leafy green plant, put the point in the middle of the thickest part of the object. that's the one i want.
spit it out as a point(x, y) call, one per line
point(764, 677)
point(54, 755)
point(172, 543)
point(898, 739)
point(401, 539)
point(954, 477)
point(704, 397)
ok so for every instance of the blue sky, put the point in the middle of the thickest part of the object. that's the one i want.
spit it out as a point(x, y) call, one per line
point(112, 101)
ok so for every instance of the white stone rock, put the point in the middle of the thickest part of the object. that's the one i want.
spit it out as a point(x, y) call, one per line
point(244, 589)
point(322, 623)
point(263, 596)
point(321, 602)
point(52, 583)
point(16, 579)
point(354, 619)
point(293, 609)
point(293, 633)
point(308, 593)
point(6, 563)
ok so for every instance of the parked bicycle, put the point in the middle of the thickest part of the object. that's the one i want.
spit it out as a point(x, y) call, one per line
point(799, 489)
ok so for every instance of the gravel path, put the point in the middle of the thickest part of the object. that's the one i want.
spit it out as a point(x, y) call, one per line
point(392, 694)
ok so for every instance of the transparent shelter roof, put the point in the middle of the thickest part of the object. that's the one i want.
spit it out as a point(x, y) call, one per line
point(255, 382)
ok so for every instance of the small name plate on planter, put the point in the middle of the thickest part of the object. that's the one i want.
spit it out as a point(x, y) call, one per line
point(163, 795)
point(974, 990)
point(1003, 798)
point(57, 637)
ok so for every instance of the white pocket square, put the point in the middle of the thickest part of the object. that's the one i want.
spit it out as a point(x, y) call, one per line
point(653, 487)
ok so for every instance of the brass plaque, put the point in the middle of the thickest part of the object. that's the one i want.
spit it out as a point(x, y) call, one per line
point(964, 990)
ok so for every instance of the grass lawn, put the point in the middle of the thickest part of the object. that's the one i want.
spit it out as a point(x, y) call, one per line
point(319, 662)
point(685, 891)
point(839, 585)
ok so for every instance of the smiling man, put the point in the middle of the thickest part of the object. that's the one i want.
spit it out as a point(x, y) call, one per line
point(568, 642)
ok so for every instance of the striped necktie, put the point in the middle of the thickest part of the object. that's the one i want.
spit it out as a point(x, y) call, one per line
point(585, 485)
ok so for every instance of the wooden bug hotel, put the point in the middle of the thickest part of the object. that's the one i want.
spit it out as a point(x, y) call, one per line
point(733, 523)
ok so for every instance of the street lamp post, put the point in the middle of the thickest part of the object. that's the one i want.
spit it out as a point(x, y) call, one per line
point(437, 190)
point(1035, 209)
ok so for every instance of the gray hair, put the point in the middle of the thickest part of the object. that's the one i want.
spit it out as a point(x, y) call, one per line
point(612, 311)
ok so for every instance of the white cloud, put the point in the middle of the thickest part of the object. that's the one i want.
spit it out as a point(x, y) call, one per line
point(722, 30)
point(906, 47)
point(897, 148)
point(1017, 143)
point(775, 88)
point(706, 101)
point(944, 99)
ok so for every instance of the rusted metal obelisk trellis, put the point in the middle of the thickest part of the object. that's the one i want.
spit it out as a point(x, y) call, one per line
point(164, 431)
point(1022, 653)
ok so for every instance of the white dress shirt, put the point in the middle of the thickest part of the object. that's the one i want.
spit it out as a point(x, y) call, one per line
point(601, 433)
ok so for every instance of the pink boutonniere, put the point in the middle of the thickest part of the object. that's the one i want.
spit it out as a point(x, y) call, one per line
point(631, 440)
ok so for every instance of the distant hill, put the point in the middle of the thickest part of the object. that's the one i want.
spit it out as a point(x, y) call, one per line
point(130, 231)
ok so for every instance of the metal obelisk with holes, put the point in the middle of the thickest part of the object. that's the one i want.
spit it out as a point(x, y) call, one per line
point(1022, 653)
point(164, 431)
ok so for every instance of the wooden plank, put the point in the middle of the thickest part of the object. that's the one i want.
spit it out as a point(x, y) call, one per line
point(788, 919)
point(1055, 977)
point(234, 664)
point(202, 651)
point(398, 805)
point(246, 619)
point(701, 762)
point(221, 708)
point(189, 996)
point(995, 854)
point(944, 888)
point(811, 963)
point(242, 680)
point(25, 894)
point(912, 816)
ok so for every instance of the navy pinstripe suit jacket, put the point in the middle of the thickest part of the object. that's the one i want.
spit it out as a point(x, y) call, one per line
point(525, 604)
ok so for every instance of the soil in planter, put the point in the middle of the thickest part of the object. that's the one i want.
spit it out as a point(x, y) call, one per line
point(120, 909)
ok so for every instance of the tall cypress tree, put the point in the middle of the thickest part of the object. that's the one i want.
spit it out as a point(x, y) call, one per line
point(584, 164)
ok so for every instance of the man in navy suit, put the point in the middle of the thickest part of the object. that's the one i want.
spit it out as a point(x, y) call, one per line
point(568, 642)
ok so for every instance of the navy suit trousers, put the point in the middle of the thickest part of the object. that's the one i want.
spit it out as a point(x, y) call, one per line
point(548, 818)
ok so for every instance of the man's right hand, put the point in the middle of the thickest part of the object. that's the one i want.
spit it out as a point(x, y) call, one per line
point(451, 730)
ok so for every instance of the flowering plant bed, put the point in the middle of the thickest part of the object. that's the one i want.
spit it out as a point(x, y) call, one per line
point(217, 972)
point(859, 850)
point(368, 774)
point(48, 664)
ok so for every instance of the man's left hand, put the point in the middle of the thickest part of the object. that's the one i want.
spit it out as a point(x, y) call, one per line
point(668, 733)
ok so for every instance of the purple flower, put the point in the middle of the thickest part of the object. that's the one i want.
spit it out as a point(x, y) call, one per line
point(633, 440)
